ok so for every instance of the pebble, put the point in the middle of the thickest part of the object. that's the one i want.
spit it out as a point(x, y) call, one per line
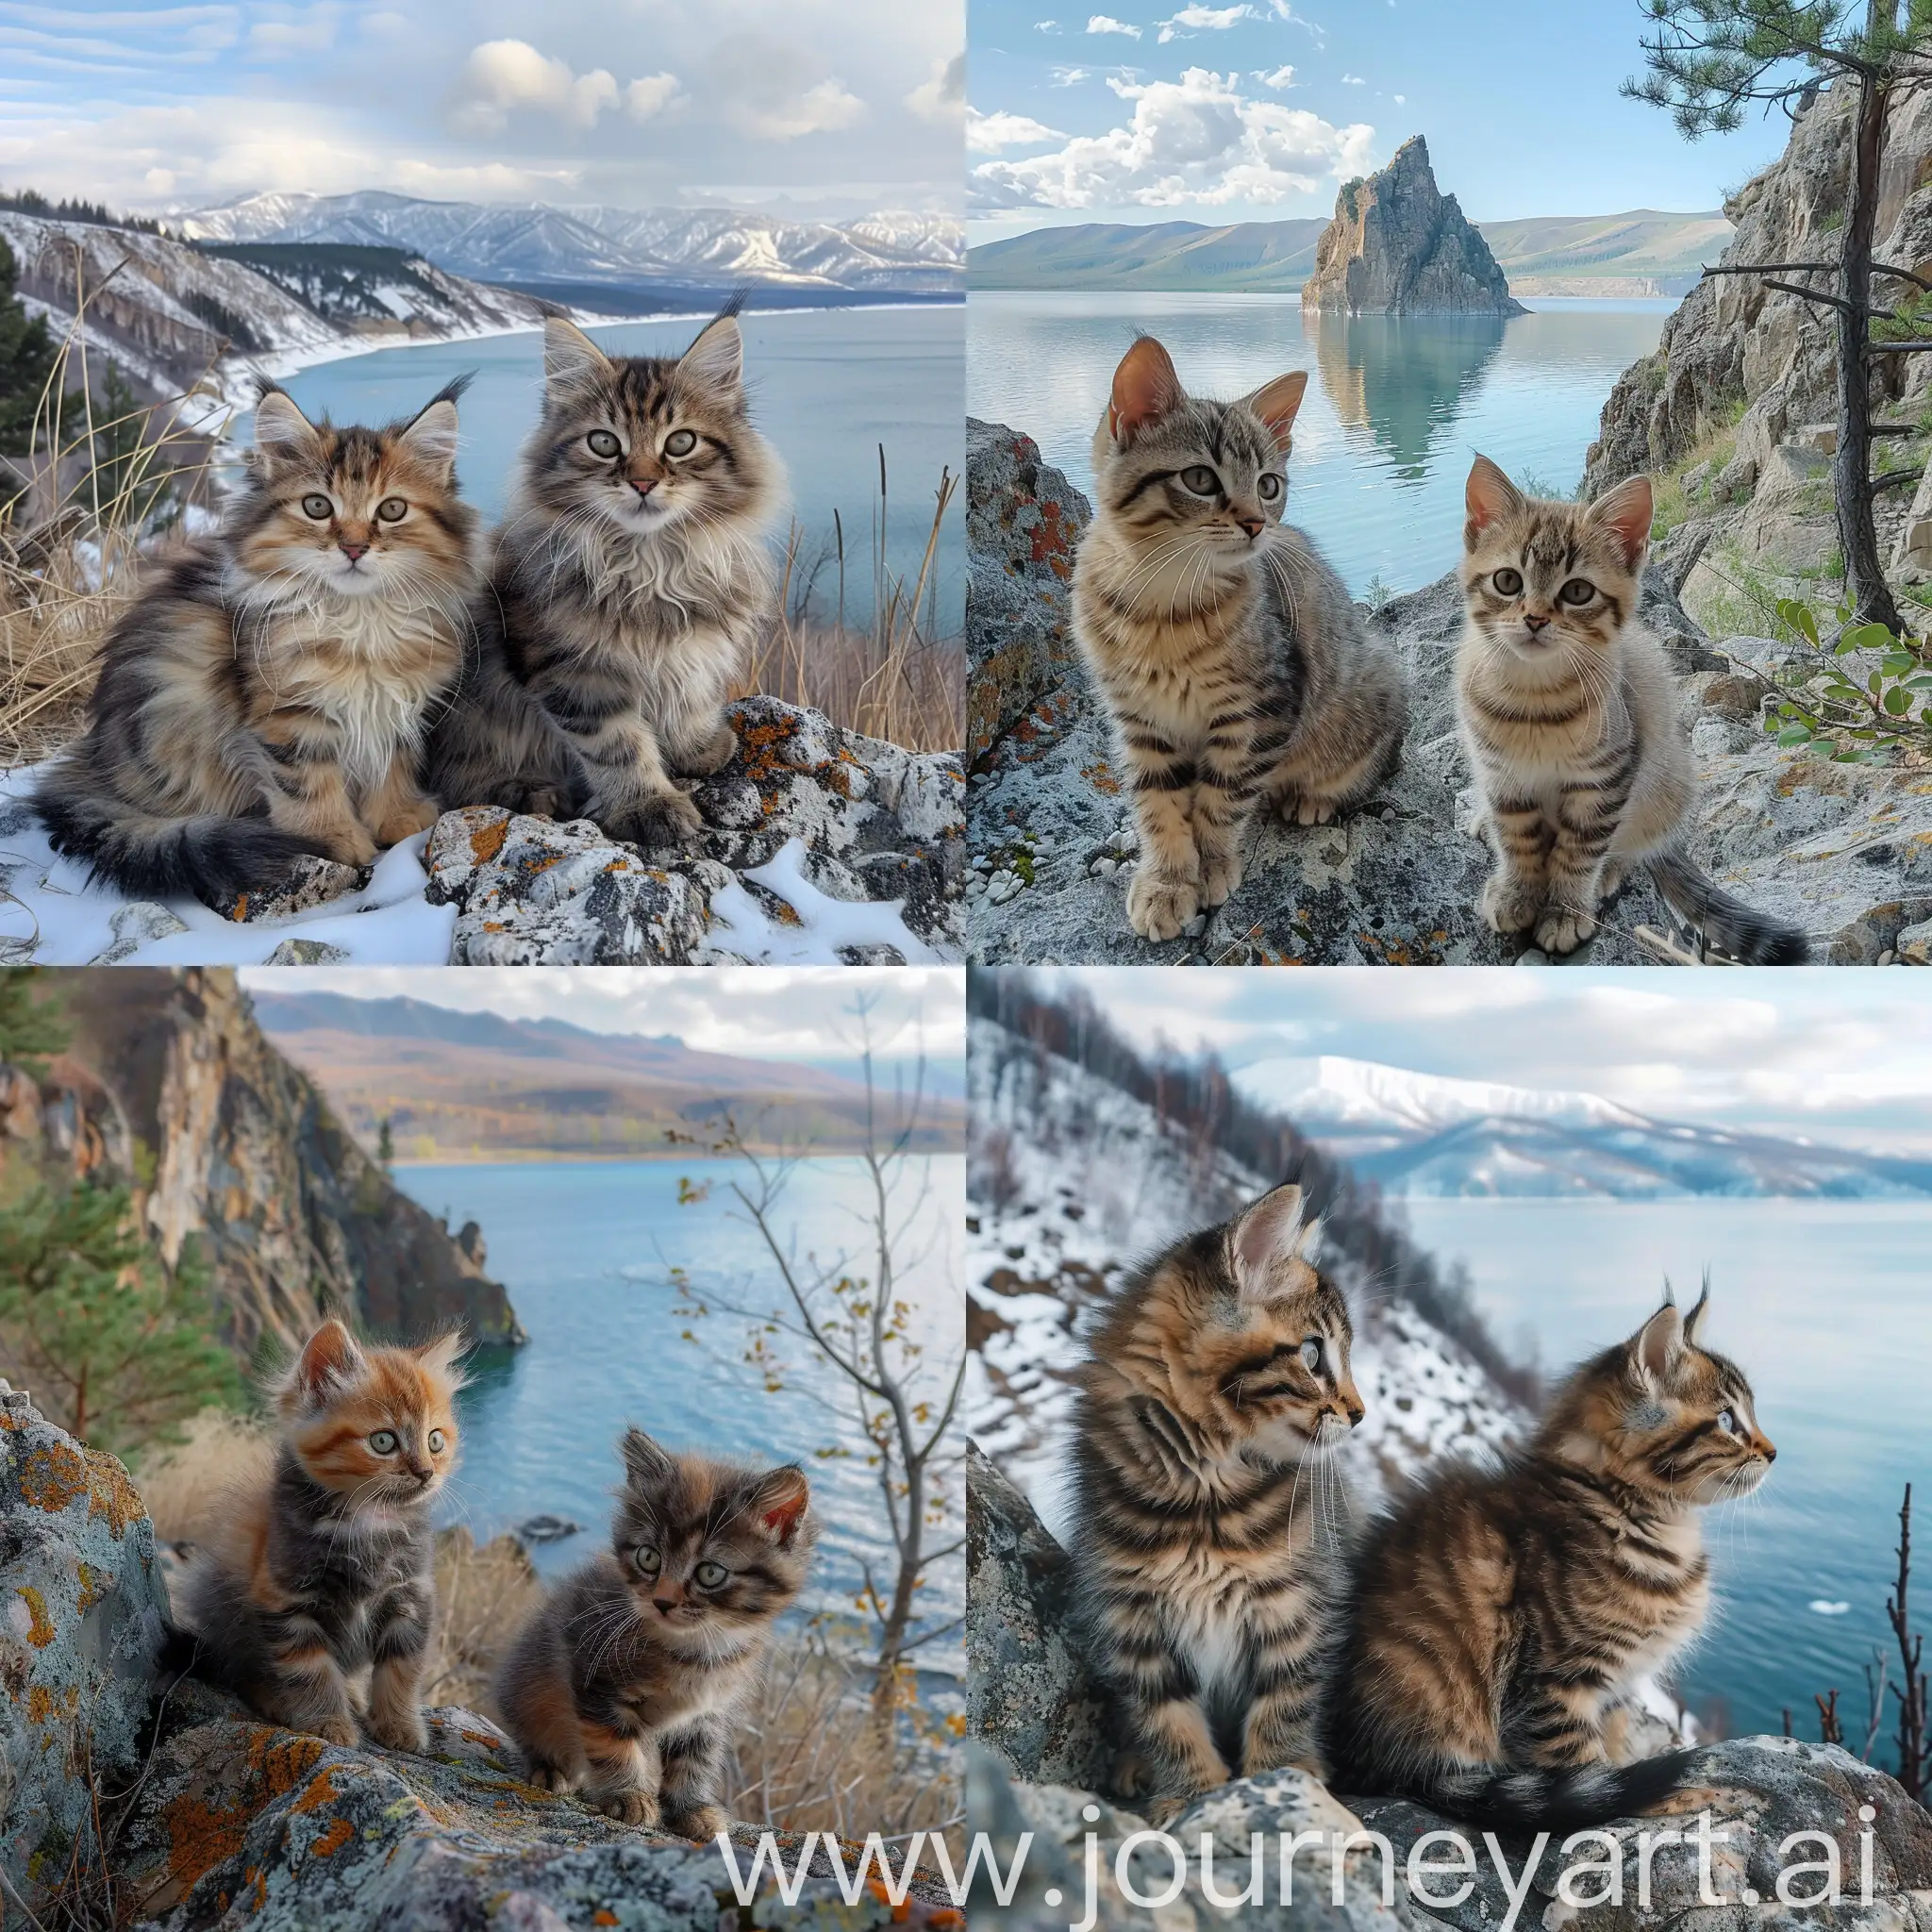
point(1106, 868)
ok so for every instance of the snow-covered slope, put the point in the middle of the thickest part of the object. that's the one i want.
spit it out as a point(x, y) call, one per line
point(1425, 1134)
point(531, 243)
point(1071, 1181)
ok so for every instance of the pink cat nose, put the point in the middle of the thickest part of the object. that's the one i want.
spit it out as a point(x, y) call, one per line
point(355, 552)
point(665, 1605)
point(643, 485)
point(1532, 622)
point(1253, 525)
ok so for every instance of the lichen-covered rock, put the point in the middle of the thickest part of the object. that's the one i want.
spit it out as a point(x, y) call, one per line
point(1396, 882)
point(84, 1615)
point(873, 824)
point(134, 925)
point(310, 881)
point(1398, 246)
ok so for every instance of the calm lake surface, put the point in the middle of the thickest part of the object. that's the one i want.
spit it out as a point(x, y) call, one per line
point(828, 385)
point(583, 1250)
point(1828, 1308)
point(1396, 409)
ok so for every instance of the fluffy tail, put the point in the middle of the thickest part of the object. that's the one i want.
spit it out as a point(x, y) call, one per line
point(1535, 1800)
point(181, 1653)
point(1727, 924)
point(208, 858)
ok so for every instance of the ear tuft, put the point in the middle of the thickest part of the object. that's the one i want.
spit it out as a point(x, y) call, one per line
point(716, 361)
point(1490, 497)
point(442, 1356)
point(1278, 403)
point(432, 433)
point(1626, 513)
point(646, 1464)
point(569, 354)
point(779, 1503)
point(1145, 389)
point(281, 427)
point(1657, 1344)
point(1693, 1322)
point(1267, 1234)
point(329, 1361)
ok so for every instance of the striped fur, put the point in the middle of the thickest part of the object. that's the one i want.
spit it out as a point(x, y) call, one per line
point(327, 1565)
point(627, 1680)
point(1205, 1538)
point(1569, 711)
point(1499, 1621)
point(268, 694)
point(627, 585)
point(1234, 666)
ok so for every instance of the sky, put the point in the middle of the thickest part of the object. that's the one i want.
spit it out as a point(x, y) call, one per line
point(1845, 1058)
point(831, 108)
point(1258, 109)
point(760, 1013)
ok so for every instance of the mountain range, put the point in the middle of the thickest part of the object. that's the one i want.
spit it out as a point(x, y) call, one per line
point(476, 1085)
point(1429, 1135)
point(532, 246)
point(1642, 251)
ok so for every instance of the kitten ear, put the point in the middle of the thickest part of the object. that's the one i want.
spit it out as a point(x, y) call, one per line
point(442, 1357)
point(1278, 403)
point(779, 1503)
point(1490, 497)
point(329, 1361)
point(280, 429)
point(1693, 1322)
point(716, 361)
point(432, 431)
point(1270, 1231)
point(569, 354)
point(1658, 1343)
point(647, 1465)
point(1145, 389)
point(1626, 512)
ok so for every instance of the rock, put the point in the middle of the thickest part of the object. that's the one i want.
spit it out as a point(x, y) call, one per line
point(84, 1616)
point(1914, 943)
point(1865, 940)
point(871, 822)
point(308, 953)
point(1913, 554)
point(1397, 246)
point(134, 925)
point(1789, 520)
point(308, 882)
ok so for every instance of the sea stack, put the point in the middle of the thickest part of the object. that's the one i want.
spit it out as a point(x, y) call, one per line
point(1398, 246)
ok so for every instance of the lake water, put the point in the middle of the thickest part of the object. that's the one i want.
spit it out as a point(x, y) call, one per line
point(1826, 1307)
point(828, 385)
point(1397, 408)
point(584, 1249)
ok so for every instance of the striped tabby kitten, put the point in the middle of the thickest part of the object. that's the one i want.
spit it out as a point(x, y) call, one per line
point(1569, 710)
point(268, 697)
point(627, 1680)
point(1205, 1562)
point(629, 580)
point(1499, 1620)
point(1233, 663)
point(326, 1563)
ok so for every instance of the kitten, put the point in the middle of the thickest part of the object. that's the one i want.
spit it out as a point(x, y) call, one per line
point(1501, 1619)
point(629, 580)
point(1232, 661)
point(327, 1565)
point(1204, 1557)
point(626, 1681)
point(267, 697)
point(1569, 711)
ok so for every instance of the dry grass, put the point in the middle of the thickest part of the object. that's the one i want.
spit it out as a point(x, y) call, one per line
point(484, 1593)
point(186, 1486)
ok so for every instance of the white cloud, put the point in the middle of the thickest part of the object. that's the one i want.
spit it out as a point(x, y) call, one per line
point(1353, 80)
point(764, 89)
point(1281, 77)
point(650, 94)
point(1196, 141)
point(1071, 76)
point(309, 32)
point(941, 96)
point(1400, 100)
point(1106, 23)
point(1046, 27)
point(503, 76)
point(1197, 19)
point(987, 134)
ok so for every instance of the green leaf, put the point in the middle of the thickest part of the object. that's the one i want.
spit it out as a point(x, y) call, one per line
point(1922, 681)
point(1851, 755)
point(1795, 734)
point(1867, 637)
point(1874, 682)
point(1897, 663)
point(1898, 702)
point(1798, 617)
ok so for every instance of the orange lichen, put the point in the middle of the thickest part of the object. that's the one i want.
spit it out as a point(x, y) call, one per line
point(202, 1835)
point(487, 844)
point(53, 1477)
point(40, 1627)
point(339, 1834)
point(112, 1497)
point(321, 1791)
point(603, 1917)
point(91, 1589)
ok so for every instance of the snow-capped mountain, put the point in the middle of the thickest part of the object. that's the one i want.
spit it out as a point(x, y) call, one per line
point(1428, 1135)
point(533, 243)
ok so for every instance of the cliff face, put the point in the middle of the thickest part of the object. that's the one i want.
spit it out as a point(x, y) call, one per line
point(169, 1084)
point(1398, 246)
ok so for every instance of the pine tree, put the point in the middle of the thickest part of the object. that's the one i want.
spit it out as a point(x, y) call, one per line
point(30, 1027)
point(385, 1145)
point(26, 360)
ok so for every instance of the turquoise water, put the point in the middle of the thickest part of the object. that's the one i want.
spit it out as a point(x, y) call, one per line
point(585, 1250)
point(828, 385)
point(1396, 406)
point(1827, 1308)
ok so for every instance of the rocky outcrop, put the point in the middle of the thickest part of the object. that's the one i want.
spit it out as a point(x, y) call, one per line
point(1045, 1727)
point(1844, 851)
point(170, 1087)
point(1398, 246)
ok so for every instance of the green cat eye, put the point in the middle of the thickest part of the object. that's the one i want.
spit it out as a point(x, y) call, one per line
point(320, 507)
point(680, 443)
point(603, 443)
point(1576, 593)
point(391, 509)
point(648, 1561)
point(436, 1442)
point(1508, 583)
point(1201, 480)
point(384, 1441)
point(711, 1574)
point(1312, 1353)
point(1271, 487)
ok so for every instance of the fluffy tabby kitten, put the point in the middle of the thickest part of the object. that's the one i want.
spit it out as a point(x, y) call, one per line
point(1500, 1618)
point(1569, 710)
point(626, 1681)
point(629, 581)
point(1204, 1562)
point(1233, 663)
point(268, 697)
point(326, 1563)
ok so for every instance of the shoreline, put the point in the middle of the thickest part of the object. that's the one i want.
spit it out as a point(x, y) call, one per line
point(542, 1157)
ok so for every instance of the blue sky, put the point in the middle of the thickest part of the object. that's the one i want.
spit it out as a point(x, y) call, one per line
point(1256, 109)
point(1840, 1056)
point(833, 106)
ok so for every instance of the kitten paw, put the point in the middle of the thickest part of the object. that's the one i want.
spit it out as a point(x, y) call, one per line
point(1220, 872)
point(336, 1730)
point(548, 1777)
point(702, 1822)
point(349, 846)
point(1298, 810)
point(1158, 906)
point(712, 756)
point(627, 1808)
point(1165, 1810)
point(401, 1730)
point(406, 820)
point(1563, 928)
point(1510, 906)
point(664, 817)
